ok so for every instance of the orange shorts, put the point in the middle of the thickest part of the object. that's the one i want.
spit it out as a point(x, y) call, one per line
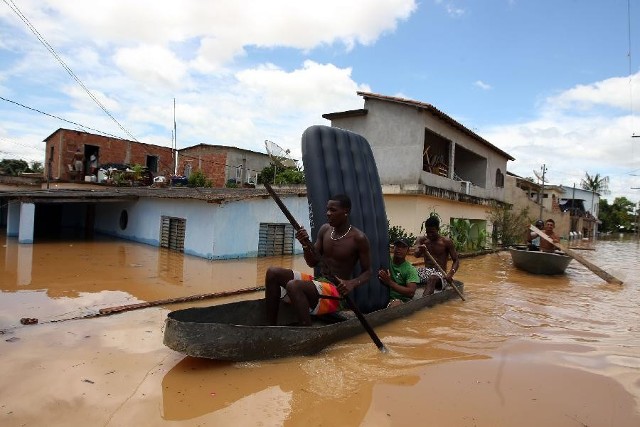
point(326, 289)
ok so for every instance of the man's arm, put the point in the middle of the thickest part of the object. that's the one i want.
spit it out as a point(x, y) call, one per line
point(309, 255)
point(455, 261)
point(408, 290)
point(364, 257)
point(418, 252)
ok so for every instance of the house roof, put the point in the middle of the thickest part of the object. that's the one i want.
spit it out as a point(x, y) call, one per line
point(203, 145)
point(422, 106)
point(118, 194)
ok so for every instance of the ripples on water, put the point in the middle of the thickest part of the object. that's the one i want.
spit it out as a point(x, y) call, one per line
point(577, 319)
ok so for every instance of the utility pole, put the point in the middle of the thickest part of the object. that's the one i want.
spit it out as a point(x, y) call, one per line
point(544, 170)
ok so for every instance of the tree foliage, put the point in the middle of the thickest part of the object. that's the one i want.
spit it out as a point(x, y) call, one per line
point(199, 179)
point(274, 174)
point(596, 183)
point(13, 167)
point(398, 232)
point(509, 226)
point(617, 216)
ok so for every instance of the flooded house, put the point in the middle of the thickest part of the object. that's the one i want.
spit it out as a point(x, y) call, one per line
point(213, 223)
point(427, 161)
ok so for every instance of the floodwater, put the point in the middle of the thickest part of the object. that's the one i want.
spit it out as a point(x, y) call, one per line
point(522, 350)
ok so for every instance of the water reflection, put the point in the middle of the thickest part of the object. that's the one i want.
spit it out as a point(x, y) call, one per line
point(459, 363)
point(81, 276)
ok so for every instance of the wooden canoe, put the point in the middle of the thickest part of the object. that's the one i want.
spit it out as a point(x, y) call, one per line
point(538, 262)
point(237, 331)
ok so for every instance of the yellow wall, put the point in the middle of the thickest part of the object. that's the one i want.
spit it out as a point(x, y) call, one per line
point(409, 211)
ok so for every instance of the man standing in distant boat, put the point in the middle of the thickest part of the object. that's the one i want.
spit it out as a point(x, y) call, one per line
point(401, 278)
point(440, 248)
point(339, 247)
point(549, 226)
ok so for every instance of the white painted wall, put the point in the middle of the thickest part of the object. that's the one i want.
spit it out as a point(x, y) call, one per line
point(396, 134)
point(214, 231)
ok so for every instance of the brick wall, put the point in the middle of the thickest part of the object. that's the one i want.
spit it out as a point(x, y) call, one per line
point(211, 160)
point(64, 142)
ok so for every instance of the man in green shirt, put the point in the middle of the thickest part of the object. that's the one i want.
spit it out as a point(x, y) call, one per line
point(402, 277)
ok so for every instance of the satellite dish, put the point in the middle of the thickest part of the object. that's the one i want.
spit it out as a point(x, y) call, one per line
point(279, 156)
point(538, 176)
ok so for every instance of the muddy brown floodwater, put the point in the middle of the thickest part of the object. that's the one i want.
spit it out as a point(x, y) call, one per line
point(522, 350)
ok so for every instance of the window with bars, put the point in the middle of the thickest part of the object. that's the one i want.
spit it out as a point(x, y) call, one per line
point(275, 239)
point(172, 231)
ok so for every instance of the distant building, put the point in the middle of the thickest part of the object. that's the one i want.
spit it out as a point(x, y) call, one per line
point(222, 164)
point(62, 144)
point(523, 193)
point(427, 161)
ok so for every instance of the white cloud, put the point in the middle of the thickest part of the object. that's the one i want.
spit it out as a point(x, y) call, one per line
point(151, 64)
point(136, 57)
point(571, 142)
point(482, 85)
point(451, 8)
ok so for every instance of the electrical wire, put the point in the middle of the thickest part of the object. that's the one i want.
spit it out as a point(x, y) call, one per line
point(46, 44)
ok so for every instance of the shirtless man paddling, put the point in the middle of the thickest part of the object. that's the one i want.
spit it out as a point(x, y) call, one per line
point(440, 248)
point(341, 246)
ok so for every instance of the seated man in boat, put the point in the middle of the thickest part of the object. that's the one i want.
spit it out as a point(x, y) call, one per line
point(549, 226)
point(401, 278)
point(532, 238)
point(440, 248)
point(338, 248)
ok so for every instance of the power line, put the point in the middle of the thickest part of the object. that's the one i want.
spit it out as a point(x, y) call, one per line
point(59, 118)
point(46, 44)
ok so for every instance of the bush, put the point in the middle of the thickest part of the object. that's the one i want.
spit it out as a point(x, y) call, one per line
point(508, 226)
point(397, 232)
point(199, 179)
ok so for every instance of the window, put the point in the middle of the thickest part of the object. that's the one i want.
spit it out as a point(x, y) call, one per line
point(275, 239)
point(499, 178)
point(124, 219)
point(172, 231)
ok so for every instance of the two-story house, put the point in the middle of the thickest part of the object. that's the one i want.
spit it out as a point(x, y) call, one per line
point(427, 161)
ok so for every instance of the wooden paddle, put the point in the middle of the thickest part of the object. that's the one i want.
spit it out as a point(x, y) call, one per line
point(594, 268)
point(307, 244)
point(444, 273)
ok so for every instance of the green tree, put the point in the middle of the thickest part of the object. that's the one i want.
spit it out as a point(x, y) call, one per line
point(37, 167)
point(509, 226)
point(398, 232)
point(199, 179)
point(595, 184)
point(13, 167)
point(274, 174)
point(618, 216)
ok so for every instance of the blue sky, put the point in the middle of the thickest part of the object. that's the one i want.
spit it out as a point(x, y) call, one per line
point(549, 82)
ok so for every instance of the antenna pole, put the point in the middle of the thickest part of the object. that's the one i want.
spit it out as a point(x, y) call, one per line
point(544, 169)
point(175, 140)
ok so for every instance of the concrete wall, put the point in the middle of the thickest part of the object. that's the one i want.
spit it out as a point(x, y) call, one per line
point(520, 200)
point(219, 164)
point(214, 231)
point(396, 134)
